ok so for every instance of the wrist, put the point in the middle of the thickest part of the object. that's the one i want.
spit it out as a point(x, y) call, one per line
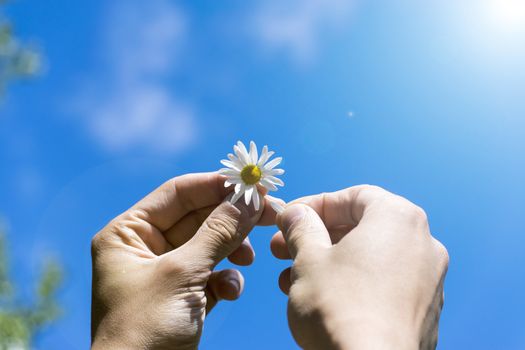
point(137, 338)
point(372, 333)
point(112, 332)
point(116, 340)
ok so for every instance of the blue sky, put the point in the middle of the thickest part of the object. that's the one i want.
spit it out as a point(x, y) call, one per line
point(426, 99)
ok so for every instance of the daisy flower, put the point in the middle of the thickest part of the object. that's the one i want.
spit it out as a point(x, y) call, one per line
point(246, 170)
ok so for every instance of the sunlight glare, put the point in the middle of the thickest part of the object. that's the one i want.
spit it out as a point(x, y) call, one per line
point(507, 15)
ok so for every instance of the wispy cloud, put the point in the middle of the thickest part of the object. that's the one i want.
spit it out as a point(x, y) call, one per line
point(294, 28)
point(129, 104)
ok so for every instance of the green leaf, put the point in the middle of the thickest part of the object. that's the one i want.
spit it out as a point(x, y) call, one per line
point(5, 285)
point(50, 281)
point(13, 330)
point(19, 323)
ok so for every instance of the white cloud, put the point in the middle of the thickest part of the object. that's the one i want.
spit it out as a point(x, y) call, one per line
point(131, 106)
point(144, 37)
point(143, 116)
point(295, 27)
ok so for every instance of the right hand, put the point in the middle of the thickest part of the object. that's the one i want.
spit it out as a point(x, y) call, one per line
point(366, 271)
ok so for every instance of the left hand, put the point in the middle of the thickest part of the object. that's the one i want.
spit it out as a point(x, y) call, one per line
point(153, 278)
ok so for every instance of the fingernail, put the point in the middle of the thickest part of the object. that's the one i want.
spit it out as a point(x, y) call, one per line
point(235, 283)
point(291, 215)
point(248, 246)
point(276, 200)
point(277, 207)
point(248, 210)
point(228, 198)
point(246, 243)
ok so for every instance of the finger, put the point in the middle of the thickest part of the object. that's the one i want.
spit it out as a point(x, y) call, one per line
point(303, 230)
point(285, 280)
point(244, 255)
point(133, 230)
point(269, 214)
point(186, 227)
point(346, 207)
point(223, 285)
point(181, 195)
point(222, 233)
point(278, 247)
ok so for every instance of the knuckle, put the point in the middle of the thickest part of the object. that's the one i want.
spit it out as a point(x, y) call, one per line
point(415, 213)
point(418, 213)
point(442, 253)
point(98, 242)
point(408, 210)
point(135, 214)
point(373, 194)
point(101, 238)
point(304, 298)
point(173, 181)
point(95, 242)
point(223, 227)
point(371, 190)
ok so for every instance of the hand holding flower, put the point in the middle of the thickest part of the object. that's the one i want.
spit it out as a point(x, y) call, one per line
point(153, 278)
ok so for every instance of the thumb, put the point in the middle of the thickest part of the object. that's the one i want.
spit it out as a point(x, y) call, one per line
point(223, 232)
point(303, 229)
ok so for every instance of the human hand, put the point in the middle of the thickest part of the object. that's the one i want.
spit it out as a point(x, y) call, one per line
point(367, 273)
point(153, 278)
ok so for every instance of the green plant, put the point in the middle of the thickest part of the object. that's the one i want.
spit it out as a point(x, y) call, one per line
point(16, 60)
point(20, 322)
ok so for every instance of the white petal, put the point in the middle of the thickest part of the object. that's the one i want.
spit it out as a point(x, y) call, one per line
point(243, 155)
point(236, 197)
point(232, 157)
point(273, 163)
point(248, 194)
point(256, 199)
point(230, 164)
point(239, 188)
point(234, 180)
point(253, 152)
point(244, 151)
point(235, 161)
point(227, 183)
point(273, 172)
point(268, 185)
point(228, 172)
point(276, 206)
point(241, 145)
point(275, 180)
point(265, 156)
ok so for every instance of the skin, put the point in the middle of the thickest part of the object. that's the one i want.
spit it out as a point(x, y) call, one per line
point(366, 273)
point(153, 266)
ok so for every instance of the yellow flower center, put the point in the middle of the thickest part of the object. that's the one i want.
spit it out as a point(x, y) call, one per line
point(251, 174)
